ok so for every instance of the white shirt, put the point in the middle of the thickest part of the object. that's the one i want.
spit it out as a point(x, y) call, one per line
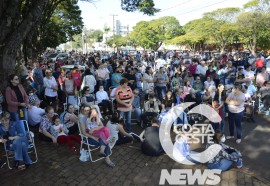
point(101, 95)
point(56, 128)
point(90, 81)
point(34, 115)
point(251, 89)
point(208, 84)
point(104, 72)
point(49, 83)
point(202, 69)
point(249, 74)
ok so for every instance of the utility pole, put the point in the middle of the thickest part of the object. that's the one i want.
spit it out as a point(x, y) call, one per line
point(113, 15)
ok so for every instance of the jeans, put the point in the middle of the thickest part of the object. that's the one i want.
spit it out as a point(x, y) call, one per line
point(235, 119)
point(15, 116)
point(222, 124)
point(127, 118)
point(104, 83)
point(20, 148)
point(229, 81)
point(100, 143)
point(224, 164)
point(161, 91)
point(39, 90)
point(138, 113)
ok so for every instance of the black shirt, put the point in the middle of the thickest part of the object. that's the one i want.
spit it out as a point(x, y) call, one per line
point(151, 145)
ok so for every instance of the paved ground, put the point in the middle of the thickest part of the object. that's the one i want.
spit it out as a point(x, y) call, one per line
point(58, 166)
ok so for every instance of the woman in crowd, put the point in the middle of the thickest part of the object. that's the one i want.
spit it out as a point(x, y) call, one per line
point(117, 131)
point(89, 80)
point(15, 140)
point(51, 89)
point(226, 158)
point(45, 126)
point(124, 98)
point(17, 99)
point(70, 119)
point(220, 96)
point(235, 101)
point(116, 77)
point(169, 101)
point(148, 80)
point(94, 140)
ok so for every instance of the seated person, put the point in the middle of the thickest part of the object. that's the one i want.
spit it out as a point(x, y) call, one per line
point(118, 134)
point(240, 76)
point(87, 99)
point(197, 85)
point(45, 125)
point(70, 119)
point(192, 97)
point(150, 109)
point(251, 89)
point(265, 95)
point(60, 132)
point(226, 158)
point(35, 113)
point(209, 82)
point(181, 148)
point(103, 100)
point(105, 148)
point(168, 102)
point(136, 106)
point(248, 104)
point(15, 140)
point(151, 145)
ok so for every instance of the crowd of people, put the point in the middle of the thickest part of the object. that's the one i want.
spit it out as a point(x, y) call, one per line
point(100, 101)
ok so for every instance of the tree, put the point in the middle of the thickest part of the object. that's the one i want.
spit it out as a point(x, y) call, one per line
point(60, 28)
point(145, 6)
point(253, 25)
point(117, 41)
point(18, 19)
point(153, 34)
point(194, 34)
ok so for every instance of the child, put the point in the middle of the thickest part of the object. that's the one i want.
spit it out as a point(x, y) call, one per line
point(216, 107)
point(95, 127)
point(60, 132)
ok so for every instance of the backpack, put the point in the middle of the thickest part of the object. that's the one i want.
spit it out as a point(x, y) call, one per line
point(62, 116)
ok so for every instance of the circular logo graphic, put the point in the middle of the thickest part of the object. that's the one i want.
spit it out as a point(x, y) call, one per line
point(179, 151)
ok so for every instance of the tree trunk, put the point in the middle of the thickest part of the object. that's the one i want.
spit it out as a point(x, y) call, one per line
point(13, 34)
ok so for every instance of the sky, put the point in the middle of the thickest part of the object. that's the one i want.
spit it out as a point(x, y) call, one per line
point(96, 15)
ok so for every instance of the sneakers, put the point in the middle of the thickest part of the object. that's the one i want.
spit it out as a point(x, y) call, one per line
point(229, 137)
point(238, 141)
point(239, 164)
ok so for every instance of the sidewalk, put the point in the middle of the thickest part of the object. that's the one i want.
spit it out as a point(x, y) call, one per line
point(58, 166)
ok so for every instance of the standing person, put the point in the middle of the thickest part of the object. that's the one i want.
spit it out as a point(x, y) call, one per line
point(220, 96)
point(235, 101)
point(51, 89)
point(148, 80)
point(230, 72)
point(161, 79)
point(17, 99)
point(124, 98)
point(139, 78)
point(89, 80)
point(116, 77)
point(76, 76)
point(136, 106)
point(201, 70)
point(38, 78)
point(103, 75)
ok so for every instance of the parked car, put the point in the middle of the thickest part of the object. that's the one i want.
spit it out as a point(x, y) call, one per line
point(60, 56)
point(69, 67)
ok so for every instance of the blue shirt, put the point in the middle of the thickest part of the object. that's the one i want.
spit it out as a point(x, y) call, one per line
point(118, 77)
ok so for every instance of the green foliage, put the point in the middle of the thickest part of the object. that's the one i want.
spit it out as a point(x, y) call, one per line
point(63, 25)
point(151, 34)
point(117, 41)
point(145, 6)
point(77, 41)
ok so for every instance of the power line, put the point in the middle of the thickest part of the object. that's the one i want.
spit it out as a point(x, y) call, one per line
point(175, 6)
point(201, 8)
